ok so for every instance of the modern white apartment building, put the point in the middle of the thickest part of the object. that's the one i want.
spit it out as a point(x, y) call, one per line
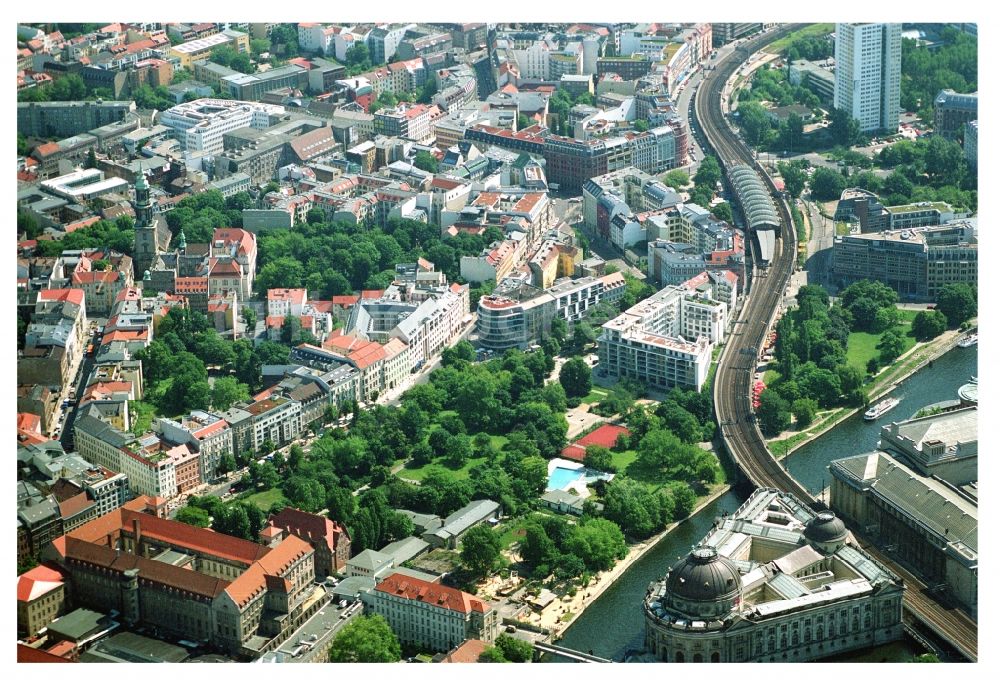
point(665, 340)
point(278, 420)
point(867, 85)
point(201, 124)
point(518, 315)
point(433, 616)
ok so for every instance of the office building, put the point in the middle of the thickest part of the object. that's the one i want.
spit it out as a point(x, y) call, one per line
point(251, 87)
point(813, 76)
point(201, 124)
point(773, 582)
point(952, 111)
point(723, 34)
point(915, 262)
point(869, 58)
point(65, 119)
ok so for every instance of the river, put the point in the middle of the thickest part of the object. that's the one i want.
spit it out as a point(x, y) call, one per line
point(857, 436)
point(613, 624)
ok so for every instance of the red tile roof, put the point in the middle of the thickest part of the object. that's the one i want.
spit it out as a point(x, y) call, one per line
point(292, 295)
point(345, 301)
point(211, 429)
point(30, 422)
point(435, 595)
point(72, 295)
point(74, 505)
point(27, 654)
point(102, 556)
point(303, 524)
point(80, 224)
point(39, 581)
point(274, 563)
point(469, 651)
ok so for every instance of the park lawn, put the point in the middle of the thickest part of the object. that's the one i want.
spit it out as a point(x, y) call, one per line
point(509, 530)
point(595, 396)
point(621, 460)
point(814, 30)
point(498, 441)
point(264, 500)
point(418, 474)
point(861, 346)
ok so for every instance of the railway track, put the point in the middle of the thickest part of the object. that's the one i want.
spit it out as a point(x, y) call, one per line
point(740, 435)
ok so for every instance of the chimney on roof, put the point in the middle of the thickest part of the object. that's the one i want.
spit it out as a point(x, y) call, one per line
point(137, 535)
point(111, 541)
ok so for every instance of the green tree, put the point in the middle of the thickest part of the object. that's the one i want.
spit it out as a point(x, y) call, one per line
point(929, 324)
point(513, 649)
point(575, 377)
point(368, 638)
point(491, 654)
point(754, 123)
point(804, 411)
point(774, 413)
point(358, 55)
point(559, 329)
point(480, 550)
point(249, 317)
point(684, 499)
point(599, 458)
point(678, 179)
point(227, 391)
point(598, 543)
point(641, 125)
point(425, 161)
point(709, 173)
point(944, 161)
point(890, 346)
point(957, 302)
point(259, 46)
point(795, 178)
point(827, 185)
point(192, 515)
point(723, 211)
point(843, 128)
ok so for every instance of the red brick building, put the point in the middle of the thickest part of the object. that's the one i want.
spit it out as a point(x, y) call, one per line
point(328, 538)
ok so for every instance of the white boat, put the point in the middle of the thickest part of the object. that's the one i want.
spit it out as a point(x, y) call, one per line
point(969, 340)
point(881, 408)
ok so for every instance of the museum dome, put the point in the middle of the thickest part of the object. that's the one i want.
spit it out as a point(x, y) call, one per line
point(704, 575)
point(825, 528)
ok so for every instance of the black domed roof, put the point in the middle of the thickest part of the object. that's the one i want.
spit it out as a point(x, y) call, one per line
point(704, 575)
point(825, 527)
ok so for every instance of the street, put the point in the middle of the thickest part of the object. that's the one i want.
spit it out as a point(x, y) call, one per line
point(819, 250)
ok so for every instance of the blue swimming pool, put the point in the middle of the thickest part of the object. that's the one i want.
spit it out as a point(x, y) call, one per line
point(560, 477)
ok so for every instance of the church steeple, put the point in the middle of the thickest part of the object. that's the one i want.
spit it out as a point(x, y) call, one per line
point(182, 243)
point(143, 205)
